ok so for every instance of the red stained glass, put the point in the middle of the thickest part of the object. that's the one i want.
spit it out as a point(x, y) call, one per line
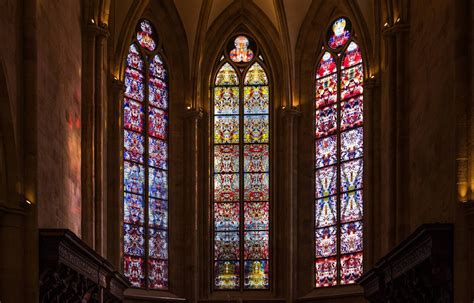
point(133, 211)
point(133, 240)
point(326, 272)
point(226, 158)
point(340, 33)
point(133, 177)
point(241, 52)
point(158, 153)
point(158, 93)
point(226, 246)
point(134, 270)
point(157, 68)
point(158, 274)
point(134, 84)
point(326, 241)
point(352, 113)
point(326, 121)
point(226, 216)
point(226, 187)
point(134, 59)
point(327, 65)
point(144, 36)
point(157, 244)
point(256, 158)
point(352, 56)
point(351, 82)
point(351, 268)
point(326, 91)
point(133, 115)
point(326, 151)
point(256, 245)
point(351, 237)
point(256, 215)
point(158, 213)
point(256, 187)
point(158, 123)
point(133, 146)
point(352, 144)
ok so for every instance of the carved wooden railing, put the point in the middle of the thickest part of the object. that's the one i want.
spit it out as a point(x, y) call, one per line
point(420, 269)
point(70, 271)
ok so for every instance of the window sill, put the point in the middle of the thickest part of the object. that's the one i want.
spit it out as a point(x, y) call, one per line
point(333, 292)
point(132, 295)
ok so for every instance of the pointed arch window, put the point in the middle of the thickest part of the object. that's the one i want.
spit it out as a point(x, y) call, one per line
point(145, 162)
point(240, 182)
point(338, 132)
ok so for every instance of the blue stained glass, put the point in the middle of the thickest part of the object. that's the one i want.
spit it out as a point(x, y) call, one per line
point(352, 143)
point(226, 245)
point(157, 68)
point(351, 237)
point(351, 206)
point(133, 58)
point(158, 94)
point(158, 244)
point(158, 183)
point(326, 151)
point(133, 146)
point(133, 115)
point(326, 211)
point(158, 213)
point(134, 84)
point(158, 123)
point(158, 153)
point(326, 241)
point(351, 175)
point(326, 181)
point(133, 210)
point(133, 240)
point(133, 177)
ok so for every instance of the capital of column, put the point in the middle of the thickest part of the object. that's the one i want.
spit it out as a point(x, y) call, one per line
point(292, 112)
point(97, 30)
point(395, 29)
point(194, 113)
point(117, 85)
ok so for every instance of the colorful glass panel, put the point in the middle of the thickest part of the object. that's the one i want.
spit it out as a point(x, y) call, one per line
point(351, 206)
point(158, 213)
point(241, 52)
point(226, 245)
point(256, 274)
point(256, 158)
point(226, 100)
point(326, 151)
point(158, 274)
point(256, 215)
point(327, 65)
point(352, 113)
point(351, 237)
point(326, 91)
point(158, 93)
point(256, 129)
point(256, 100)
point(133, 177)
point(133, 146)
point(134, 87)
point(134, 59)
point(256, 245)
point(227, 274)
point(326, 241)
point(326, 212)
point(351, 82)
point(133, 269)
point(256, 187)
point(256, 75)
point(133, 209)
point(226, 216)
point(340, 33)
point(326, 272)
point(326, 181)
point(326, 121)
point(227, 76)
point(351, 268)
point(158, 153)
point(226, 187)
point(352, 56)
point(144, 35)
point(158, 123)
point(133, 240)
point(226, 158)
point(352, 143)
point(157, 244)
point(158, 183)
point(157, 68)
point(133, 114)
point(351, 175)
point(226, 129)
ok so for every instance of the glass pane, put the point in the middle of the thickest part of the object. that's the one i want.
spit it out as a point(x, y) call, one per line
point(158, 274)
point(158, 94)
point(158, 153)
point(256, 100)
point(226, 129)
point(133, 115)
point(326, 211)
point(157, 244)
point(351, 268)
point(326, 181)
point(226, 187)
point(133, 209)
point(326, 121)
point(226, 246)
point(326, 271)
point(339, 33)
point(256, 245)
point(351, 82)
point(256, 129)
point(227, 76)
point(241, 52)
point(352, 113)
point(134, 84)
point(326, 91)
point(256, 75)
point(256, 274)
point(256, 158)
point(158, 183)
point(327, 65)
point(351, 237)
point(352, 56)
point(133, 240)
point(144, 36)
point(352, 143)
point(158, 213)
point(226, 158)
point(256, 187)
point(351, 206)
point(157, 68)
point(226, 100)
point(134, 59)
point(326, 151)
point(133, 177)
point(226, 274)
point(133, 146)
point(134, 270)
point(326, 241)
point(226, 216)
point(351, 175)
point(256, 215)
point(158, 123)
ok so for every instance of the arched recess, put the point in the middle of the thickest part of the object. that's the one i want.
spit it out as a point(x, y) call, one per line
point(250, 21)
point(308, 53)
point(167, 23)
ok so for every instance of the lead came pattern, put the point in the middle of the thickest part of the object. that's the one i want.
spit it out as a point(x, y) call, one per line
point(339, 159)
point(145, 155)
point(241, 164)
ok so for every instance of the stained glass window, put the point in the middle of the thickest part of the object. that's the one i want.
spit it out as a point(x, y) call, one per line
point(241, 179)
point(145, 162)
point(339, 147)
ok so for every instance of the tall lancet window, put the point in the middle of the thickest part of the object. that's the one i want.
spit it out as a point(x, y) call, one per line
point(241, 106)
point(338, 132)
point(145, 162)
